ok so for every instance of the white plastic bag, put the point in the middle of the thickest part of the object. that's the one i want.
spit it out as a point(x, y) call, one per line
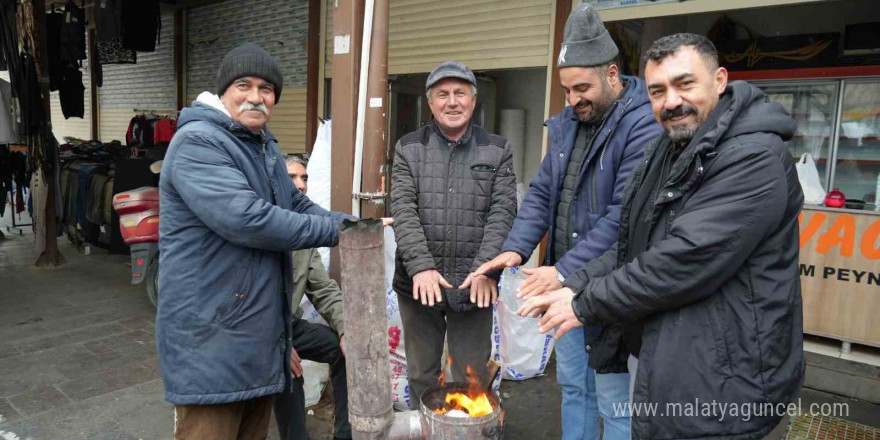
point(310, 313)
point(808, 175)
point(319, 170)
point(315, 378)
point(524, 350)
point(399, 379)
point(315, 375)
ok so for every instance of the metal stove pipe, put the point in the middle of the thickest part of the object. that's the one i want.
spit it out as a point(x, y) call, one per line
point(366, 337)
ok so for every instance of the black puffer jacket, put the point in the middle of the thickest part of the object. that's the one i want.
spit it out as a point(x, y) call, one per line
point(453, 204)
point(717, 289)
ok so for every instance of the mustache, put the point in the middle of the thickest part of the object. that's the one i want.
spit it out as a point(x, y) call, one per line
point(583, 103)
point(245, 106)
point(682, 110)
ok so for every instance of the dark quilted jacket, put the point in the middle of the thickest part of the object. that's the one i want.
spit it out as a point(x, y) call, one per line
point(453, 204)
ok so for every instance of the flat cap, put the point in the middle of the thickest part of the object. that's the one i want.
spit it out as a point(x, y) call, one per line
point(450, 69)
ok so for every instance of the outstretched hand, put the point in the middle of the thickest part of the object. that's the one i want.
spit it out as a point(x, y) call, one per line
point(505, 259)
point(557, 310)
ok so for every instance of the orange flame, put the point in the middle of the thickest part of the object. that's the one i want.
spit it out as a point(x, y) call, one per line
point(475, 403)
point(473, 407)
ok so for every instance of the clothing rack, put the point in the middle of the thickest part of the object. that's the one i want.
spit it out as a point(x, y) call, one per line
point(12, 213)
point(11, 199)
point(155, 112)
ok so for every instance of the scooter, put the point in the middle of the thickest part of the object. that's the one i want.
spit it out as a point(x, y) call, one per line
point(138, 211)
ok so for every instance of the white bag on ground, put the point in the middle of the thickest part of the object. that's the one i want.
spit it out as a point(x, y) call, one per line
point(399, 378)
point(319, 170)
point(808, 175)
point(315, 375)
point(315, 378)
point(524, 351)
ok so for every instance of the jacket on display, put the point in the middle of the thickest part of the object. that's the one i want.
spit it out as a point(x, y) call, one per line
point(72, 35)
point(141, 23)
point(108, 20)
point(54, 22)
point(72, 93)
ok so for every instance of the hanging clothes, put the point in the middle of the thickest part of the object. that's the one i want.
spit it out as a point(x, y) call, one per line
point(54, 21)
point(27, 89)
point(112, 52)
point(20, 177)
point(73, 34)
point(96, 65)
point(5, 176)
point(141, 22)
point(39, 194)
point(72, 93)
point(9, 36)
point(141, 131)
point(165, 129)
point(108, 24)
point(108, 20)
point(8, 129)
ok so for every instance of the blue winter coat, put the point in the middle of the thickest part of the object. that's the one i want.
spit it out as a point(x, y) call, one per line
point(229, 218)
point(616, 151)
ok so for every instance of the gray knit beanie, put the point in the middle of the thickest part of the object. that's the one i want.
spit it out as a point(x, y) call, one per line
point(586, 42)
point(248, 60)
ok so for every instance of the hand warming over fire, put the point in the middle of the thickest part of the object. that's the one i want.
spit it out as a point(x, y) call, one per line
point(484, 291)
point(556, 307)
point(426, 287)
point(295, 363)
point(540, 281)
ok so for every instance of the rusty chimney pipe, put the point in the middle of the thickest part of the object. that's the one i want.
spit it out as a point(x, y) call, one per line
point(366, 358)
point(366, 334)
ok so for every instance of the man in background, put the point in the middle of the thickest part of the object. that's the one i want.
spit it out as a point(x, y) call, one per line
point(309, 341)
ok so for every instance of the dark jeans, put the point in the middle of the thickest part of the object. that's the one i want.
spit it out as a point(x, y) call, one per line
point(425, 328)
point(317, 343)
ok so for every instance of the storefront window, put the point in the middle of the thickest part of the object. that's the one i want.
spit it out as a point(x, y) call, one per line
point(812, 105)
point(858, 151)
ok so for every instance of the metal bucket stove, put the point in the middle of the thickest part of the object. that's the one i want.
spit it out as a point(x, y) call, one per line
point(437, 426)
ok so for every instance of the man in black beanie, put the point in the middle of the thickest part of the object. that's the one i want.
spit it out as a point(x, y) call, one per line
point(230, 217)
point(594, 146)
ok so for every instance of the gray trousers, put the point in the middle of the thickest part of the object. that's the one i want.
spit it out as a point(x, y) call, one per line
point(424, 330)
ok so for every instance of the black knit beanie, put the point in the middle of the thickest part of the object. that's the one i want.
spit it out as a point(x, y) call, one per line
point(248, 60)
point(586, 42)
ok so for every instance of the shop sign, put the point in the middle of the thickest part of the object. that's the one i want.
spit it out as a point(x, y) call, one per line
point(787, 52)
point(840, 274)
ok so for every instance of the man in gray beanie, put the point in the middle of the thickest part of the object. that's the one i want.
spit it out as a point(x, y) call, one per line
point(594, 146)
point(230, 217)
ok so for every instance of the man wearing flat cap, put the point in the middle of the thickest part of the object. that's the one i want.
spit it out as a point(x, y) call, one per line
point(230, 217)
point(453, 199)
point(595, 144)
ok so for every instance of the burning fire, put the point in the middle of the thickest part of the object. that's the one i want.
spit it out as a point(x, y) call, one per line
point(474, 403)
point(472, 407)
